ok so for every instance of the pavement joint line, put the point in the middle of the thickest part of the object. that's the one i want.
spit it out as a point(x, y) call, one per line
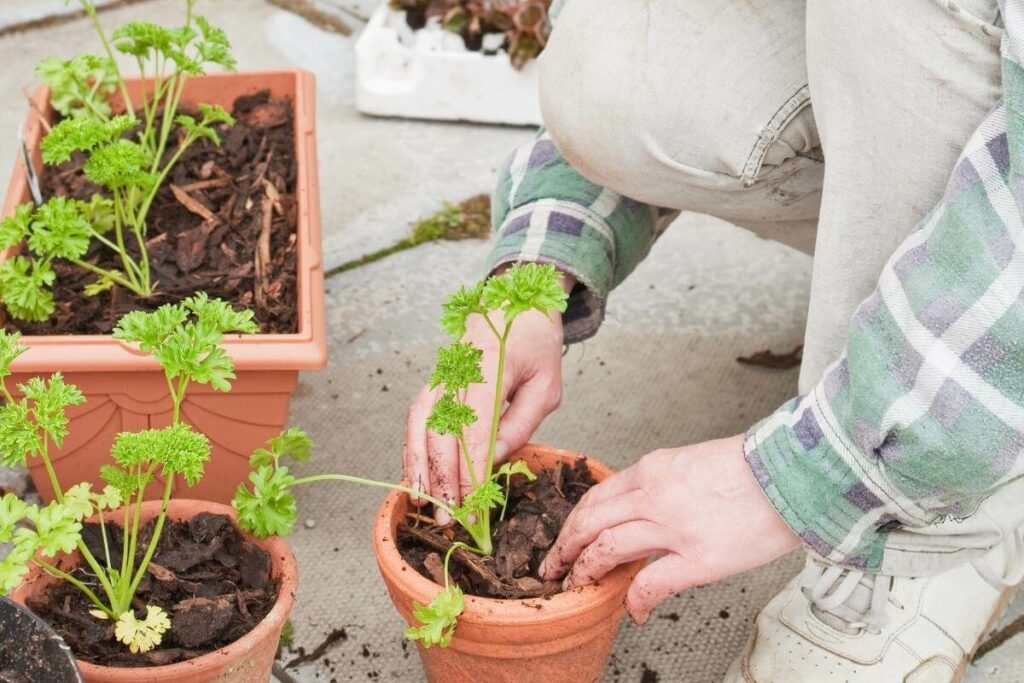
point(314, 15)
point(1000, 637)
point(62, 18)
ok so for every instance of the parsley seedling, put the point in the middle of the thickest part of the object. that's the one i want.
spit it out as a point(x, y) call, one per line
point(186, 340)
point(267, 506)
point(127, 156)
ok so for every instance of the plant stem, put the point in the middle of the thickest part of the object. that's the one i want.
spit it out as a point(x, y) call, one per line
point(151, 548)
point(496, 415)
point(77, 584)
point(106, 273)
point(91, 11)
point(370, 482)
point(103, 532)
point(469, 460)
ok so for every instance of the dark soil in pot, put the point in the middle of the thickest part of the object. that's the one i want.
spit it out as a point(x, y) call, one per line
point(213, 583)
point(534, 517)
point(30, 650)
point(223, 223)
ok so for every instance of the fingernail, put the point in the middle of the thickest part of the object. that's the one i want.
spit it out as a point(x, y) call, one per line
point(639, 619)
point(567, 585)
point(442, 517)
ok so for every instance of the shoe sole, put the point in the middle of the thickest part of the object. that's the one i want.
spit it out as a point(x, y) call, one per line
point(1004, 604)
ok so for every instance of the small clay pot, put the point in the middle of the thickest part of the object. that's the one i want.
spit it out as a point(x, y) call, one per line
point(247, 660)
point(565, 638)
point(30, 650)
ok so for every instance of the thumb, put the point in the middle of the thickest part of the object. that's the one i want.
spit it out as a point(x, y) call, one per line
point(531, 403)
point(655, 582)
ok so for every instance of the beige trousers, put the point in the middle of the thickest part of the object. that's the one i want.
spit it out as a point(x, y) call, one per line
point(830, 125)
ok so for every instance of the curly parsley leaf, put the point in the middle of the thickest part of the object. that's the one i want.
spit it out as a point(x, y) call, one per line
point(450, 416)
point(438, 619)
point(178, 449)
point(525, 286)
point(482, 499)
point(459, 306)
point(14, 229)
point(50, 401)
point(82, 135)
point(142, 635)
point(56, 529)
point(12, 511)
point(79, 86)
point(517, 467)
point(458, 366)
point(269, 507)
point(25, 288)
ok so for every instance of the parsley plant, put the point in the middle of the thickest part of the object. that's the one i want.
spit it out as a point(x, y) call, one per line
point(128, 155)
point(186, 340)
point(267, 506)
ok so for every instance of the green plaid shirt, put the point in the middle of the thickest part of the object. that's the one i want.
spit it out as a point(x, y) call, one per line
point(922, 417)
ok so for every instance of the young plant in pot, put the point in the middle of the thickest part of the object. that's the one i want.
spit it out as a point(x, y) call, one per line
point(518, 27)
point(117, 576)
point(473, 589)
point(145, 191)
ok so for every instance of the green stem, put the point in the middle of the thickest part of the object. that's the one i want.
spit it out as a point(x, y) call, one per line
point(370, 482)
point(127, 587)
point(469, 459)
point(106, 273)
point(91, 11)
point(77, 584)
point(496, 415)
point(168, 486)
point(103, 532)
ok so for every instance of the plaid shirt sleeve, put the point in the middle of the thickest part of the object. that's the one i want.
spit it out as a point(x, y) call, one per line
point(922, 417)
point(544, 210)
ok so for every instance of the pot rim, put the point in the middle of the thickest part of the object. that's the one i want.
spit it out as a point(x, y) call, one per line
point(497, 611)
point(275, 546)
point(304, 349)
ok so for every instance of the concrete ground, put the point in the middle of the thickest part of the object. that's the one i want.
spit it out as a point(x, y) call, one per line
point(673, 332)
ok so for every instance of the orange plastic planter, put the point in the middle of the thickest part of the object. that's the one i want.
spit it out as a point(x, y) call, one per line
point(247, 660)
point(566, 638)
point(125, 390)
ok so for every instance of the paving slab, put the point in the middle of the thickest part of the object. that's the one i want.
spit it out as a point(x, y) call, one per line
point(662, 372)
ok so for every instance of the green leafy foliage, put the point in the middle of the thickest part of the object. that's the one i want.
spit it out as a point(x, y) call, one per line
point(78, 501)
point(59, 230)
point(120, 165)
point(50, 400)
point(178, 449)
point(79, 86)
point(459, 306)
point(517, 467)
point(523, 287)
point(458, 366)
point(83, 134)
point(269, 508)
point(10, 349)
point(12, 511)
point(484, 497)
point(438, 619)
point(450, 416)
point(25, 288)
point(204, 128)
point(185, 338)
point(292, 443)
point(142, 635)
point(122, 481)
point(56, 530)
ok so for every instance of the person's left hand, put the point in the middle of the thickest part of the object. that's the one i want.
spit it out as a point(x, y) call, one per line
point(698, 507)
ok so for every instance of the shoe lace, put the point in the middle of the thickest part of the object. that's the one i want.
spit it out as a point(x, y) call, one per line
point(851, 600)
point(1012, 572)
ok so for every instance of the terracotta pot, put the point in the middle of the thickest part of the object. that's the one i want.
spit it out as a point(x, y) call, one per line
point(565, 638)
point(125, 390)
point(247, 660)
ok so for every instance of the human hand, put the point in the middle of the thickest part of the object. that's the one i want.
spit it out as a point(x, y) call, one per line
point(532, 384)
point(699, 508)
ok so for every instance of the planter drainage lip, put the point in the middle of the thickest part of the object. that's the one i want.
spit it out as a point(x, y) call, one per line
point(193, 669)
point(26, 620)
point(519, 612)
point(305, 349)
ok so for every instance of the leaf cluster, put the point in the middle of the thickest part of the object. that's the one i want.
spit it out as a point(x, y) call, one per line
point(268, 508)
point(438, 619)
point(41, 413)
point(190, 48)
point(142, 635)
point(185, 338)
point(178, 450)
point(46, 531)
point(80, 86)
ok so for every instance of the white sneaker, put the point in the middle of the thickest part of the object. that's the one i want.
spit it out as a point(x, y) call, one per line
point(837, 625)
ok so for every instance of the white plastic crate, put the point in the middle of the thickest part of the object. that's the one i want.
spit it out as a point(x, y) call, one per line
point(429, 74)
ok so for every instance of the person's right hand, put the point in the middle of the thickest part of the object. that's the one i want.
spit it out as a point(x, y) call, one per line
point(532, 385)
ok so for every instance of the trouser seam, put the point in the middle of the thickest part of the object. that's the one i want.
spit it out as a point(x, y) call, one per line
point(770, 133)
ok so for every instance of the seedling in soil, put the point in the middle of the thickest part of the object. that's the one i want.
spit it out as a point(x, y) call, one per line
point(524, 23)
point(268, 505)
point(186, 340)
point(128, 155)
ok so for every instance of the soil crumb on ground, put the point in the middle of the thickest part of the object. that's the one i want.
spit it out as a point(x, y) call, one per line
point(213, 583)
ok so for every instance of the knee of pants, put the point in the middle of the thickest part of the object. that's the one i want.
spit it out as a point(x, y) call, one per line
point(658, 97)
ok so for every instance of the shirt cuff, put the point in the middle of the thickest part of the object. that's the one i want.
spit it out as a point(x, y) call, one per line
point(573, 239)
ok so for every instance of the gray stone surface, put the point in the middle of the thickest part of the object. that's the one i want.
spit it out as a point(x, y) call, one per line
point(708, 293)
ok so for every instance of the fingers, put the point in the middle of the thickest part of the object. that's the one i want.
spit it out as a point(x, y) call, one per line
point(655, 582)
point(443, 469)
point(479, 397)
point(615, 546)
point(531, 403)
point(583, 526)
point(414, 455)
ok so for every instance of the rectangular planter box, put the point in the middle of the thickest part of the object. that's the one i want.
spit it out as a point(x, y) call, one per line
point(432, 82)
point(126, 390)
